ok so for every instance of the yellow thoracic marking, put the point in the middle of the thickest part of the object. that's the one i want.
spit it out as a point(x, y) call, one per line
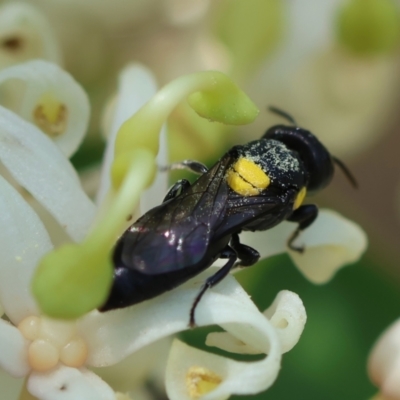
point(300, 198)
point(236, 183)
point(247, 178)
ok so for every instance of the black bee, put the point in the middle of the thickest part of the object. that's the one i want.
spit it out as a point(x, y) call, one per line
point(253, 187)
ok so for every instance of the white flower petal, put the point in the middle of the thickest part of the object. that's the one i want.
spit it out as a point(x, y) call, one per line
point(129, 374)
point(23, 242)
point(116, 334)
point(109, 17)
point(251, 328)
point(64, 383)
point(136, 86)
point(303, 38)
point(25, 34)
point(226, 341)
point(10, 387)
point(113, 335)
point(306, 34)
point(181, 12)
point(287, 314)
point(185, 361)
point(13, 350)
point(271, 242)
point(384, 362)
point(331, 242)
point(90, 180)
point(345, 99)
point(38, 165)
point(187, 366)
point(45, 78)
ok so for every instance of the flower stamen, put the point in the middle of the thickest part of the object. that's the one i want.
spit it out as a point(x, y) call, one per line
point(52, 342)
point(200, 381)
point(42, 355)
point(50, 115)
point(30, 327)
point(74, 353)
point(12, 43)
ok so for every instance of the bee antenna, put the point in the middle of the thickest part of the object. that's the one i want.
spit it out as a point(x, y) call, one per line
point(346, 171)
point(283, 114)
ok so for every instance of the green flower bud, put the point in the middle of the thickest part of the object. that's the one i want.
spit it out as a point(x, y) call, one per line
point(369, 27)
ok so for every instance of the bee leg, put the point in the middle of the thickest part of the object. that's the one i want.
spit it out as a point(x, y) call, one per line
point(246, 254)
point(191, 165)
point(228, 253)
point(177, 189)
point(305, 216)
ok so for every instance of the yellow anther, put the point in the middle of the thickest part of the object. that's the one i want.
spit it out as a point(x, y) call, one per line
point(53, 341)
point(300, 198)
point(42, 355)
point(50, 115)
point(74, 353)
point(12, 43)
point(247, 178)
point(200, 381)
point(30, 327)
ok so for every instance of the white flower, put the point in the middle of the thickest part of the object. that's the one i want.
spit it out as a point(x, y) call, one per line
point(384, 362)
point(31, 344)
point(53, 354)
point(331, 242)
point(346, 99)
point(25, 34)
point(167, 35)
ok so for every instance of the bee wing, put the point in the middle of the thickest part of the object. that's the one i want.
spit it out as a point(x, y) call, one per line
point(255, 212)
point(177, 233)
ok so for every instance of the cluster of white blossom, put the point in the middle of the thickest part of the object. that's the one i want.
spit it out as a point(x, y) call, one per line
point(44, 116)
